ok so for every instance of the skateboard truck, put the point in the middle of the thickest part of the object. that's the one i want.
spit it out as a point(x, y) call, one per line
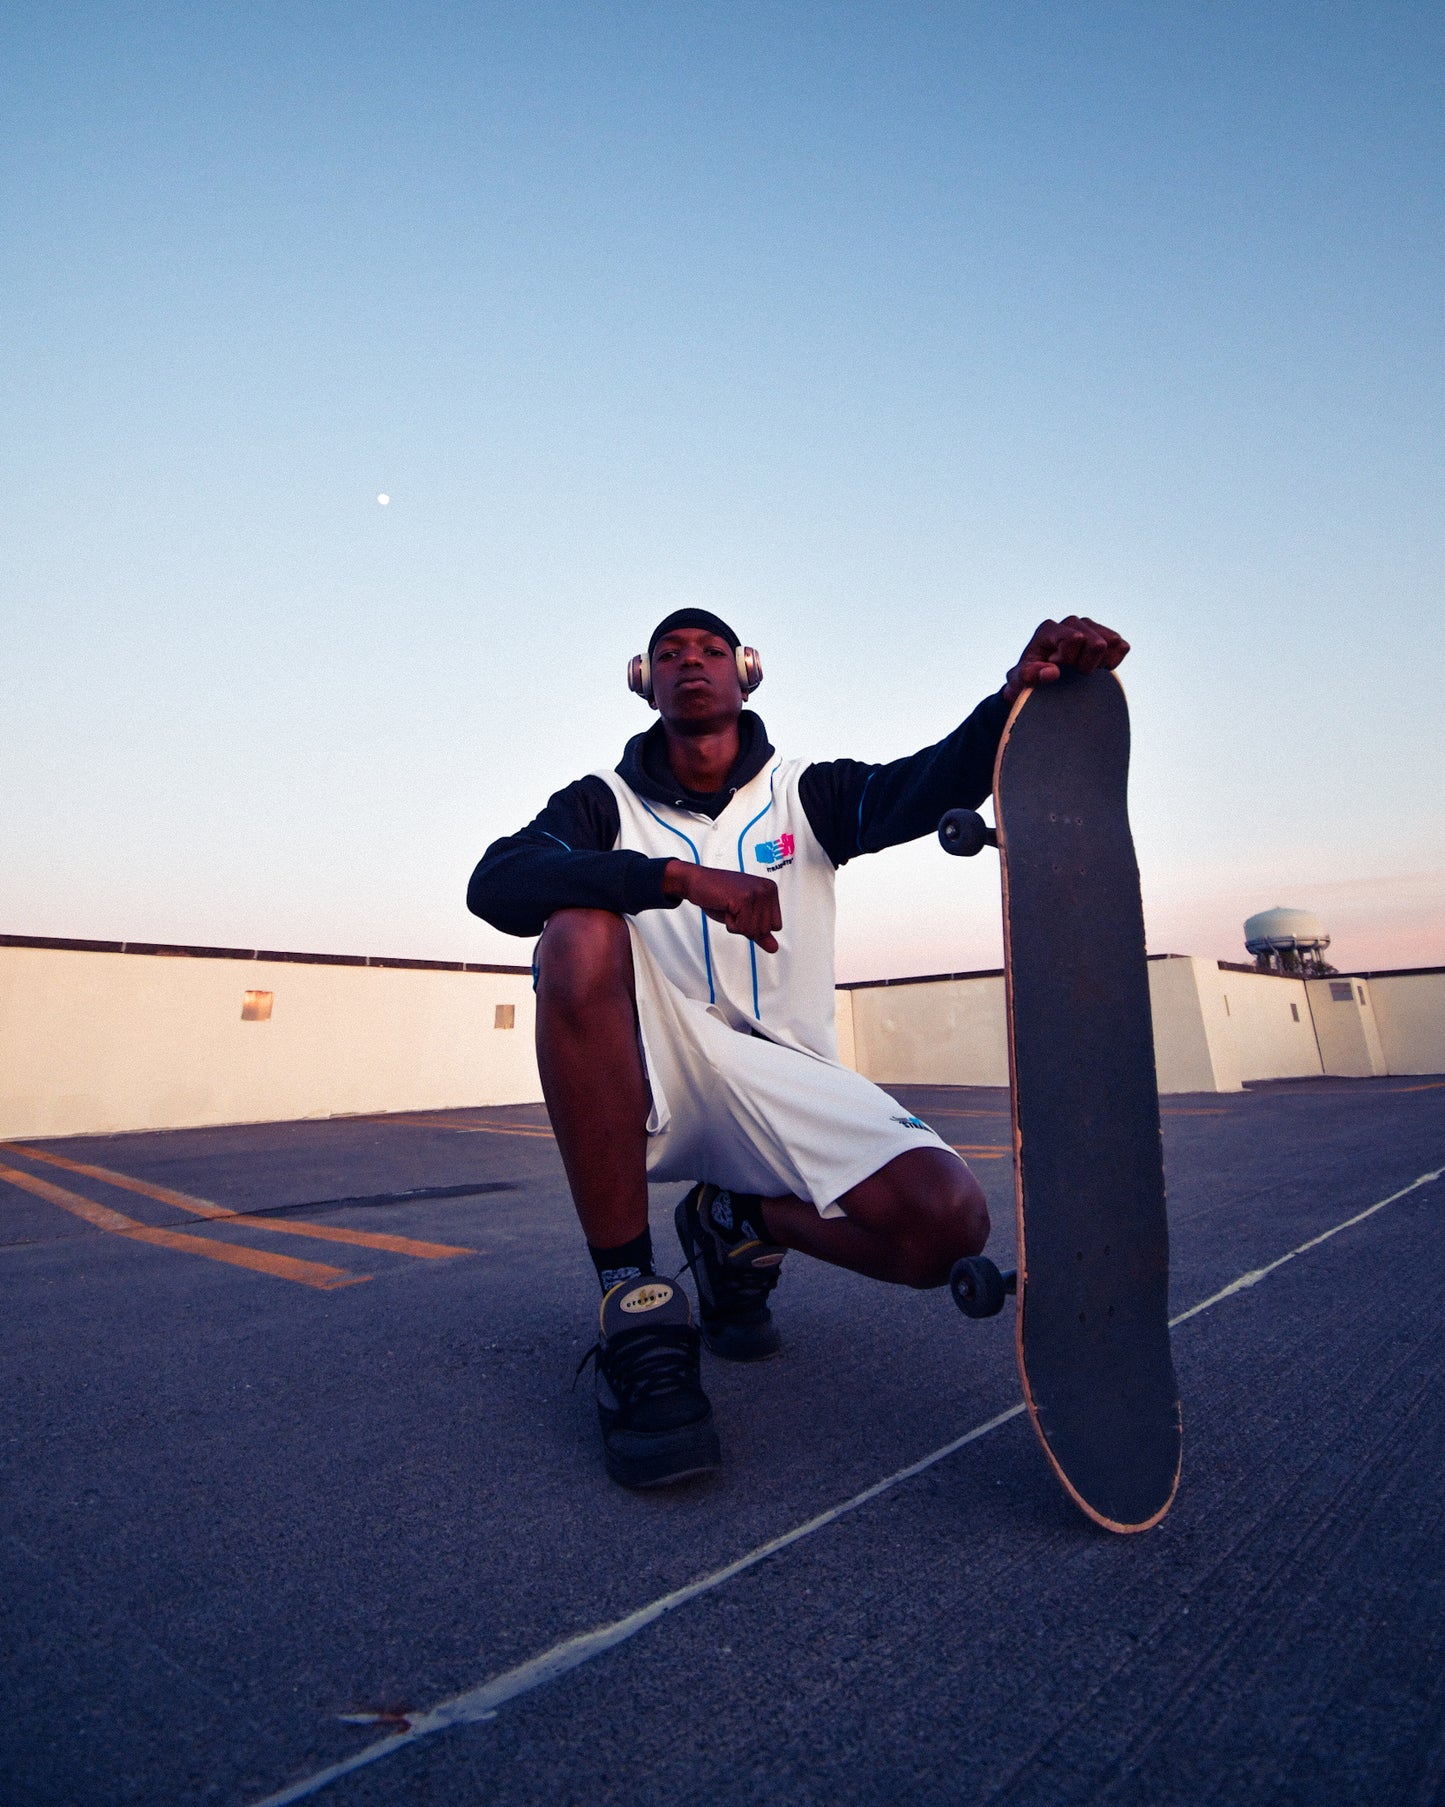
point(978, 1288)
point(964, 831)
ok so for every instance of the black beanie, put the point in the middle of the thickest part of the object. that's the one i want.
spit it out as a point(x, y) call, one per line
point(692, 618)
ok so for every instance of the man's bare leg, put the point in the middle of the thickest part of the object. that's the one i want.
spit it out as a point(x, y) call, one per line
point(592, 1072)
point(655, 1418)
point(907, 1223)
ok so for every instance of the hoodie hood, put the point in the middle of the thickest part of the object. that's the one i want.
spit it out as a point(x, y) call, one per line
point(646, 769)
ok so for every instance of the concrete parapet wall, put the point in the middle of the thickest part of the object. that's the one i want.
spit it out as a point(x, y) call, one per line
point(1193, 1049)
point(100, 1041)
point(938, 1032)
point(1344, 1021)
point(97, 1040)
point(843, 1024)
point(1215, 1027)
point(953, 1030)
point(1270, 1024)
point(1410, 1020)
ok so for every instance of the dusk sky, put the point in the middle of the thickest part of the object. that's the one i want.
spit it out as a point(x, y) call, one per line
point(884, 330)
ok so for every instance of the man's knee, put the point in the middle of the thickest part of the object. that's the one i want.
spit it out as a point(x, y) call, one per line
point(928, 1209)
point(948, 1221)
point(583, 957)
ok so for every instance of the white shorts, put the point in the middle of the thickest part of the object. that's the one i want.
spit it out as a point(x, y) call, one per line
point(745, 1113)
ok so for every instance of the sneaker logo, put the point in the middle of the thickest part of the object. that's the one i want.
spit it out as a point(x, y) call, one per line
point(911, 1122)
point(646, 1298)
point(775, 854)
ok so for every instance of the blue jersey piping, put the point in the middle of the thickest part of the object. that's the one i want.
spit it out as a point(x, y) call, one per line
point(697, 861)
point(752, 945)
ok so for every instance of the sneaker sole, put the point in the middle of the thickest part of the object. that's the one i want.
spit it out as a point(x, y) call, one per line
point(679, 1456)
point(732, 1345)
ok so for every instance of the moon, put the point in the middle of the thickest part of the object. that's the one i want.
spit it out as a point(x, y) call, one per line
point(384, 500)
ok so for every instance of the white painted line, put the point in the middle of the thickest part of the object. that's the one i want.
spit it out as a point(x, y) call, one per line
point(1245, 1281)
point(482, 1702)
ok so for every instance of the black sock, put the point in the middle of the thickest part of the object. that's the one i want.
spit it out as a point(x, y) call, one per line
point(629, 1261)
point(738, 1216)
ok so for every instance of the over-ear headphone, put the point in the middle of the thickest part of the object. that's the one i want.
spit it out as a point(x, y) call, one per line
point(750, 672)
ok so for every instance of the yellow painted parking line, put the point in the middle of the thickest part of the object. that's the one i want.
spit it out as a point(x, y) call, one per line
point(506, 1129)
point(203, 1207)
point(990, 1153)
point(280, 1267)
point(472, 1129)
point(1435, 1085)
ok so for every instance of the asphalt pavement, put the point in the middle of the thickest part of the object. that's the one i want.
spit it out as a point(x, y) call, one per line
point(278, 1489)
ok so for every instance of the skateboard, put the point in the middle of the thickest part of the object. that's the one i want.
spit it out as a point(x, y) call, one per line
point(1092, 1325)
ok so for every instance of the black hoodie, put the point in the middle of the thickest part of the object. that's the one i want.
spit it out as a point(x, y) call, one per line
point(566, 857)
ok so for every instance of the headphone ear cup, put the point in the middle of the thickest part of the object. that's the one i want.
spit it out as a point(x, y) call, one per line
point(750, 669)
point(639, 676)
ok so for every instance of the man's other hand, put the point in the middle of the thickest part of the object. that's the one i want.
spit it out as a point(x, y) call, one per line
point(742, 904)
point(1076, 641)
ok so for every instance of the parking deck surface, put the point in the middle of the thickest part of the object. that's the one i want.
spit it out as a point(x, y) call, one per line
point(278, 1487)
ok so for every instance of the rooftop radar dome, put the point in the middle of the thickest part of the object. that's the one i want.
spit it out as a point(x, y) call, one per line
point(1287, 941)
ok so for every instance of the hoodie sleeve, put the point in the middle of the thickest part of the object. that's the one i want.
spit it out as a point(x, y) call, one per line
point(564, 859)
point(855, 808)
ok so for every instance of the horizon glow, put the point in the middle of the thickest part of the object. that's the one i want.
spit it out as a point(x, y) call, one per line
point(376, 380)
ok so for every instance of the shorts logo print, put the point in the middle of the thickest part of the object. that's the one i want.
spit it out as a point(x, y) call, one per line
point(774, 854)
point(911, 1122)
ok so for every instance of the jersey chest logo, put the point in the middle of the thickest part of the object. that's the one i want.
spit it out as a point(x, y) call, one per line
point(774, 855)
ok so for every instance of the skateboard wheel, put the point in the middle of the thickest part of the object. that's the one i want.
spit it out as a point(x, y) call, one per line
point(978, 1288)
point(964, 831)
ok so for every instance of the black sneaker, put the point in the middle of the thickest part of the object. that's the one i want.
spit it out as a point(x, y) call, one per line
point(734, 1279)
point(656, 1420)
